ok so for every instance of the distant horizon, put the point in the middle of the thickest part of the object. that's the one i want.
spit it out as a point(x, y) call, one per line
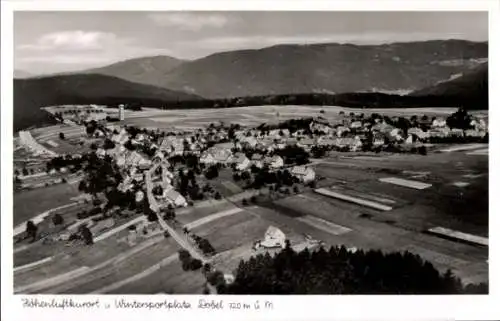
point(47, 42)
point(69, 71)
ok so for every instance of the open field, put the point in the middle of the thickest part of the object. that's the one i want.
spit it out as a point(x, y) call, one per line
point(255, 115)
point(29, 203)
point(106, 263)
point(459, 208)
point(199, 213)
point(169, 279)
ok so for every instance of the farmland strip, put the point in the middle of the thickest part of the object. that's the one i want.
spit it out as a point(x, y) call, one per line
point(351, 199)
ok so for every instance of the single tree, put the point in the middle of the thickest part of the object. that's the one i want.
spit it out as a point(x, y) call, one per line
point(87, 236)
point(57, 219)
point(31, 230)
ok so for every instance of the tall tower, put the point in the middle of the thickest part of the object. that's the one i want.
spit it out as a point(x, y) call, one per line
point(121, 112)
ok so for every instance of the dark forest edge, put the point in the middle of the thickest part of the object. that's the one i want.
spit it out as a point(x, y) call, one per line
point(349, 100)
point(340, 271)
point(353, 100)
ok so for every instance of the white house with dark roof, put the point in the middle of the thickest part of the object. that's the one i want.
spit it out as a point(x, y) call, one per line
point(419, 133)
point(457, 132)
point(439, 122)
point(100, 152)
point(274, 162)
point(356, 125)
point(382, 127)
point(257, 160)
point(306, 143)
point(303, 173)
point(474, 133)
point(174, 197)
point(216, 155)
point(249, 141)
point(340, 130)
point(241, 161)
point(207, 158)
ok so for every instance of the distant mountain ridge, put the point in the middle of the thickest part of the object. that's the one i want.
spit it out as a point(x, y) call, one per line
point(473, 82)
point(33, 93)
point(146, 70)
point(425, 69)
point(471, 88)
point(331, 67)
point(21, 74)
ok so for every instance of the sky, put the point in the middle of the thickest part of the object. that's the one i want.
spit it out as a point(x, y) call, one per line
point(51, 42)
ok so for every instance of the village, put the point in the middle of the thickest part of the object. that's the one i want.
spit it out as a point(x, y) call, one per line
point(123, 170)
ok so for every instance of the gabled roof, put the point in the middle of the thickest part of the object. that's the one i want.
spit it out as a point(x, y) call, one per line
point(307, 141)
point(172, 194)
point(257, 157)
point(274, 233)
point(239, 158)
point(301, 170)
point(275, 158)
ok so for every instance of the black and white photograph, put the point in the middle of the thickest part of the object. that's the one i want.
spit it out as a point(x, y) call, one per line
point(250, 152)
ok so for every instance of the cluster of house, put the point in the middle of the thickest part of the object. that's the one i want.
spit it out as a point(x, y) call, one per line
point(169, 196)
point(355, 131)
point(140, 169)
point(352, 132)
point(218, 155)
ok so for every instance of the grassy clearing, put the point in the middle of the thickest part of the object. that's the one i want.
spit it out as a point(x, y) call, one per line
point(238, 234)
point(198, 213)
point(169, 279)
point(130, 266)
point(30, 203)
point(220, 225)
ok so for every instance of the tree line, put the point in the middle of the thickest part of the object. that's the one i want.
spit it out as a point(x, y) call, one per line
point(339, 271)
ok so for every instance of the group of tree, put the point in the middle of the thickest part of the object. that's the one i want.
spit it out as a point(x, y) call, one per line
point(91, 127)
point(169, 213)
point(86, 235)
point(339, 271)
point(108, 144)
point(123, 200)
point(319, 151)
point(355, 100)
point(96, 210)
point(188, 262)
point(294, 154)
point(83, 234)
point(459, 139)
point(57, 219)
point(459, 119)
point(203, 244)
point(212, 172)
point(395, 148)
point(188, 159)
point(188, 186)
point(216, 279)
point(68, 161)
point(100, 174)
point(157, 190)
point(129, 145)
point(148, 212)
point(265, 177)
point(245, 175)
point(293, 125)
